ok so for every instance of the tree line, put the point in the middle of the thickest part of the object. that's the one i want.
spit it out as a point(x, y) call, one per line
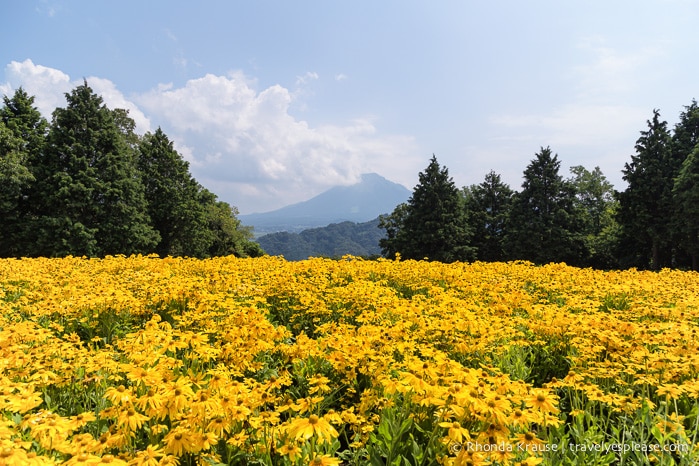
point(581, 220)
point(85, 184)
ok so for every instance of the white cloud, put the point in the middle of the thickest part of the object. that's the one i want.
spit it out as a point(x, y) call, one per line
point(113, 98)
point(49, 86)
point(574, 124)
point(589, 135)
point(242, 143)
point(248, 144)
point(306, 78)
point(340, 77)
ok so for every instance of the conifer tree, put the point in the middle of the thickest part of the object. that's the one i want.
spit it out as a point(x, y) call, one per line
point(22, 141)
point(433, 223)
point(686, 197)
point(543, 226)
point(646, 206)
point(685, 144)
point(92, 199)
point(175, 204)
point(488, 207)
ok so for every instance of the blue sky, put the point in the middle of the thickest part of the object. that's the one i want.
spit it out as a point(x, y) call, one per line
point(272, 102)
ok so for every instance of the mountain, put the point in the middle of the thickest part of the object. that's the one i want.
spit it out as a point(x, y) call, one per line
point(334, 240)
point(372, 196)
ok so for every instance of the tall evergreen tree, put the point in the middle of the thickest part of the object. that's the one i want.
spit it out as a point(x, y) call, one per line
point(25, 121)
point(685, 141)
point(23, 140)
point(15, 178)
point(686, 198)
point(488, 207)
point(175, 203)
point(685, 136)
point(646, 206)
point(93, 198)
point(433, 223)
point(543, 225)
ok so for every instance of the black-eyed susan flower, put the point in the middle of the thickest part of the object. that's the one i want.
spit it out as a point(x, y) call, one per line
point(542, 400)
point(148, 457)
point(305, 428)
point(324, 460)
point(455, 432)
point(292, 451)
point(130, 419)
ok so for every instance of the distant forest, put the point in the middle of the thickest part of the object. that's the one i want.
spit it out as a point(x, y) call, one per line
point(333, 241)
point(580, 220)
point(85, 184)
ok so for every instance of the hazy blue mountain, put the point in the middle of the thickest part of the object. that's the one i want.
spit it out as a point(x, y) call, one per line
point(334, 240)
point(372, 196)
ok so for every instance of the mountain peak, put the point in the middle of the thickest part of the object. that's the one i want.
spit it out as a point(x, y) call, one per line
point(372, 196)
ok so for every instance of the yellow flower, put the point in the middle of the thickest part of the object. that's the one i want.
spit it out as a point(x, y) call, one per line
point(83, 459)
point(543, 400)
point(13, 456)
point(456, 433)
point(112, 460)
point(324, 460)
point(292, 451)
point(82, 419)
point(670, 390)
point(131, 419)
point(178, 442)
point(305, 428)
point(148, 457)
point(528, 440)
point(23, 402)
point(119, 395)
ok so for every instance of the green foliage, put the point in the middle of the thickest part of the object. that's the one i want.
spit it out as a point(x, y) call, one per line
point(686, 198)
point(401, 440)
point(685, 145)
point(90, 195)
point(15, 178)
point(595, 205)
point(335, 240)
point(228, 236)
point(432, 224)
point(22, 138)
point(488, 206)
point(543, 224)
point(174, 198)
point(645, 207)
point(87, 184)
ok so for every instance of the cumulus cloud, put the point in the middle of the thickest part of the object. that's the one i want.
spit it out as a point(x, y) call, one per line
point(248, 144)
point(242, 143)
point(49, 86)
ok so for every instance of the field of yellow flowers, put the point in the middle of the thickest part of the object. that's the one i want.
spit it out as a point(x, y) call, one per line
point(148, 361)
